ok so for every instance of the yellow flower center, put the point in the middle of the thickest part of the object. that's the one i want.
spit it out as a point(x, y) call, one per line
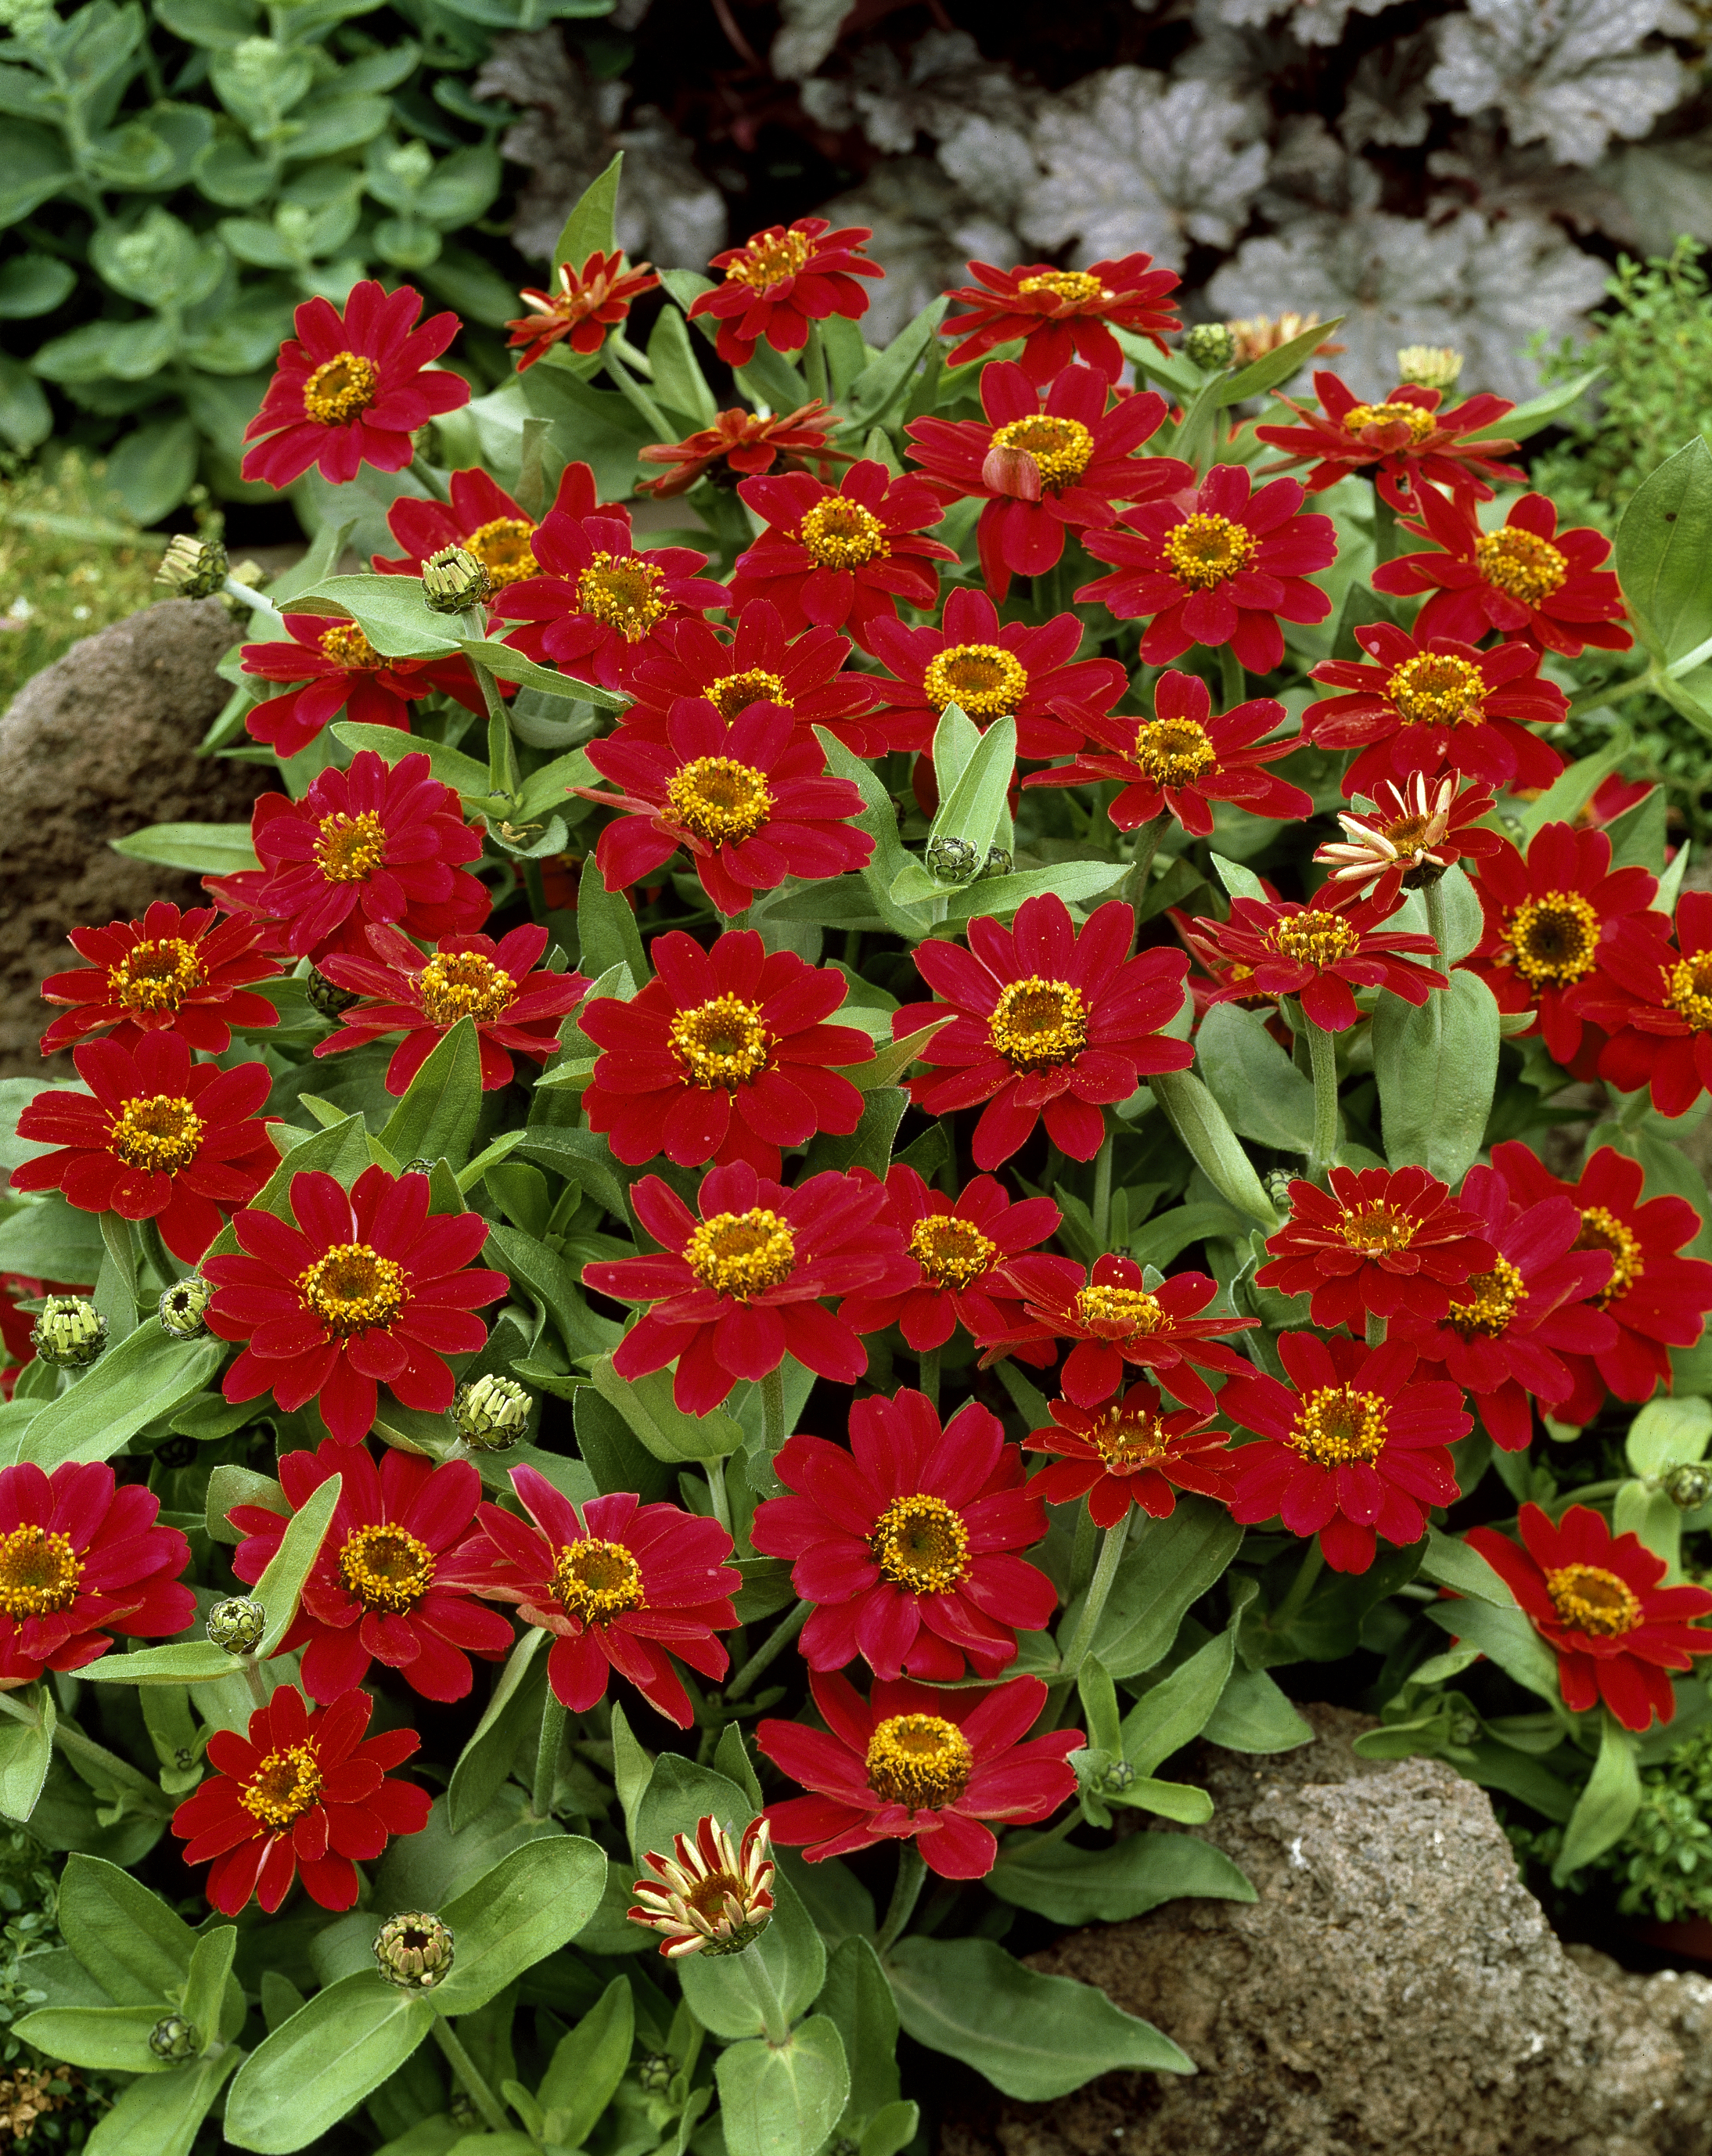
point(1130, 1440)
point(719, 801)
point(1493, 1299)
point(1527, 566)
point(1335, 1426)
point(1314, 939)
point(731, 693)
point(160, 1131)
point(1036, 1025)
point(341, 389)
point(350, 849)
point(1690, 989)
point(921, 1542)
point(1127, 1312)
point(952, 1253)
point(623, 592)
point(741, 1254)
point(1174, 752)
point(597, 1581)
point(1376, 1228)
point(840, 534)
point(1553, 940)
point(982, 680)
point(919, 1760)
point(346, 646)
point(1076, 285)
point(1419, 424)
point(1602, 1230)
point(460, 983)
point(39, 1573)
point(154, 976)
point(504, 546)
point(722, 1043)
point(1594, 1600)
point(386, 1568)
point(351, 1287)
point(1204, 550)
point(1436, 689)
point(771, 258)
point(285, 1786)
point(1062, 448)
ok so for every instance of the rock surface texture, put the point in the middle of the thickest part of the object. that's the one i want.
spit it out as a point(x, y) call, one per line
point(1394, 1987)
point(94, 748)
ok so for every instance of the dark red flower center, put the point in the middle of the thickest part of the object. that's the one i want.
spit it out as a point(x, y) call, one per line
point(769, 259)
point(1493, 1299)
point(951, 1253)
point(341, 389)
point(351, 1287)
point(1593, 1600)
point(159, 1133)
point(921, 1542)
point(1314, 938)
point(1374, 1229)
point(919, 1760)
point(1037, 1024)
point(504, 548)
point(731, 693)
point(350, 849)
point(840, 534)
point(1173, 752)
point(1602, 1230)
point(719, 801)
point(1335, 1426)
point(624, 593)
point(1076, 287)
point(1688, 989)
point(1553, 939)
point(347, 647)
point(285, 1786)
point(983, 681)
point(725, 1043)
point(156, 975)
point(597, 1581)
point(1437, 689)
point(1360, 417)
point(1129, 1440)
point(386, 1568)
point(1523, 564)
point(458, 984)
point(741, 1254)
point(1205, 549)
point(39, 1573)
point(1062, 448)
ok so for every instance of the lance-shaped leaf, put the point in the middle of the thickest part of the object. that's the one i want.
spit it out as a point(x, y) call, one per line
point(1662, 541)
point(1200, 1122)
point(304, 2077)
point(141, 1379)
point(26, 1748)
point(1129, 1877)
point(1436, 1068)
point(435, 1119)
point(1605, 1807)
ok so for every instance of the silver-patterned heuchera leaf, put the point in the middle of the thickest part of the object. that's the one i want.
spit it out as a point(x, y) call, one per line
point(1312, 21)
point(944, 83)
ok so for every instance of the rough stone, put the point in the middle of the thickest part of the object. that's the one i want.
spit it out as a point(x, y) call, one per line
point(96, 747)
point(1395, 1987)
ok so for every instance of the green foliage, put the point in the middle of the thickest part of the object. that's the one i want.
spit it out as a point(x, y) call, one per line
point(71, 561)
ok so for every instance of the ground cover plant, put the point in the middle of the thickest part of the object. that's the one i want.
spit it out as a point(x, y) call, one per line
point(820, 1180)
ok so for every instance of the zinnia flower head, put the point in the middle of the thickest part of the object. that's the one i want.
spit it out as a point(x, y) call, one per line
point(171, 971)
point(1129, 1451)
point(1321, 952)
point(302, 1795)
point(1411, 835)
point(1598, 1601)
point(779, 280)
point(588, 303)
point(758, 661)
point(713, 1894)
point(1402, 441)
point(1113, 1317)
point(1652, 992)
point(339, 670)
point(351, 388)
point(739, 444)
point(480, 517)
point(1380, 1241)
point(910, 1762)
point(1061, 315)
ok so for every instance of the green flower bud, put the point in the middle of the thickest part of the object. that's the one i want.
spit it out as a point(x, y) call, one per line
point(193, 568)
point(69, 1332)
point(1689, 1486)
point(413, 1952)
point(237, 1625)
point(654, 2072)
point(952, 860)
point(1429, 366)
point(491, 1414)
point(183, 1306)
point(999, 862)
point(418, 1164)
point(1278, 1189)
point(173, 2037)
point(1119, 1775)
point(1209, 345)
point(324, 998)
point(453, 581)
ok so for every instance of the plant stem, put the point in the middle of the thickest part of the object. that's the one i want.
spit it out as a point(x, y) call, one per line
point(1322, 1057)
point(1592, 699)
point(1146, 845)
point(715, 1469)
point(1101, 1209)
point(928, 1374)
point(1433, 894)
point(1232, 682)
point(475, 2081)
point(906, 1892)
point(124, 1776)
point(259, 1688)
point(1094, 1609)
point(547, 1755)
point(1385, 539)
point(155, 1254)
point(772, 1411)
point(433, 484)
point(769, 1650)
point(774, 2019)
point(1301, 1587)
point(1083, 1552)
point(1375, 1331)
point(814, 365)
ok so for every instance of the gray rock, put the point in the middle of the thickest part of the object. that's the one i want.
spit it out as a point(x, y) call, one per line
point(1394, 1987)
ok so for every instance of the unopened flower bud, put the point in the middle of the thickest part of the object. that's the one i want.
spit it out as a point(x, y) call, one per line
point(1209, 345)
point(1278, 1189)
point(1429, 366)
point(418, 1164)
point(713, 1894)
point(413, 1952)
point(193, 568)
point(324, 998)
point(493, 1413)
point(173, 2037)
point(184, 1307)
point(654, 2072)
point(1689, 1486)
point(69, 1332)
point(1118, 1776)
point(998, 863)
point(453, 580)
point(952, 860)
point(237, 1625)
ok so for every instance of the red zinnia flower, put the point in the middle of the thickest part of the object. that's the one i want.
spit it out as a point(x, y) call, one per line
point(914, 1763)
point(1657, 1299)
point(157, 1137)
point(779, 280)
point(733, 1292)
point(723, 1056)
point(171, 971)
point(82, 1557)
point(1381, 1241)
point(365, 1288)
point(742, 442)
point(373, 1594)
point(1183, 759)
point(517, 1011)
point(1546, 920)
point(379, 842)
point(1226, 571)
point(1356, 1446)
point(973, 1254)
point(1061, 315)
point(1654, 997)
point(1596, 1600)
point(1500, 1338)
point(1045, 467)
point(1526, 578)
point(1430, 702)
point(481, 518)
point(907, 1543)
point(841, 558)
point(1401, 442)
point(623, 1586)
point(1045, 1021)
point(597, 606)
point(750, 803)
point(337, 670)
point(757, 662)
point(586, 303)
point(1114, 1318)
point(351, 389)
point(1126, 1452)
point(1411, 831)
point(1322, 953)
point(302, 1794)
point(1014, 672)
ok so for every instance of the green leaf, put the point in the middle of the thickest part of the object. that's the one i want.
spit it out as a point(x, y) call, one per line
point(884, 382)
point(856, 1998)
point(1107, 1885)
point(486, 1760)
point(1669, 1433)
point(1077, 883)
point(1571, 790)
point(304, 2077)
point(1456, 1564)
point(145, 1377)
point(646, 1407)
point(161, 2114)
point(1262, 1094)
point(32, 284)
point(1637, 836)
point(396, 619)
point(869, 1145)
point(1436, 1068)
point(112, 2038)
point(607, 929)
point(26, 1753)
point(435, 1119)
point(212, 2003)
point(1506, 1637)
point(678, 378)
point(782, 2101)
point(1170, 1564)
point(532, 1903)
point(545, 1275)
point(280, 1587)
point(1261, 374)
point(228, 1487)
point(1032, 2036)
point(974, 807)
point(1663, 540)
point(588, 2064)
point(200, 849)
point(588, 230)
point(1200, 1122)
point(154, 468)
point(1605, 1807)
point(450, 766)
point(1465, 923)
point(1173, 1713)
point(1528, 418)
point(511, 665)
point(26, 416)
point(129, 1940)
